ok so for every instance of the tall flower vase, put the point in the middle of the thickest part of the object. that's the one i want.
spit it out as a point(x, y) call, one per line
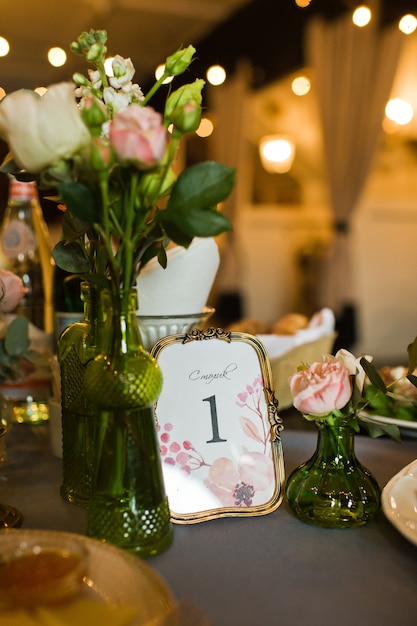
point(333, 489)
point(128, 505)
point(77, 345)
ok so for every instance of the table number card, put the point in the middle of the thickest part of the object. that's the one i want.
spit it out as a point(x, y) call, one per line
point(218, 426)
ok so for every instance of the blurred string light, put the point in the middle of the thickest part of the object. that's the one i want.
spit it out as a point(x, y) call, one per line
point(159, 72)
point(206, 127)
point(407, 24)
point(277, 153)
point(300, 85)
point(4, 47)
point(57, 56)
point(216, 75)
point(399, 111)
point(361, 16)
point(302, 3)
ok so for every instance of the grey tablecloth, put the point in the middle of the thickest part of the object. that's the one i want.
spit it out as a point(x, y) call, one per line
point(272, 569)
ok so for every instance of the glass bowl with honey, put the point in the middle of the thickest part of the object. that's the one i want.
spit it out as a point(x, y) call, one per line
point(40, 569)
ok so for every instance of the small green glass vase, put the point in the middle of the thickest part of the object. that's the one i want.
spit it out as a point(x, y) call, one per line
point(333, 489)
point(128, 505)
point(78, 344)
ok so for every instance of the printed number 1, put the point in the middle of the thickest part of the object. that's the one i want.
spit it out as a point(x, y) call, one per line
point(214, 421)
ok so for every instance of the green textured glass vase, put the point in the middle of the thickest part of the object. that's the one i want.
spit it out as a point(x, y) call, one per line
point(78, 344)
point(333, 489)
point(128, 505)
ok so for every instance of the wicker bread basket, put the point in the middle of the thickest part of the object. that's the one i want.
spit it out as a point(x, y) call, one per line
point(286, 365)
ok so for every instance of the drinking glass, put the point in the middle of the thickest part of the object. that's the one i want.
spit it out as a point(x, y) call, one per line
point(10, 517)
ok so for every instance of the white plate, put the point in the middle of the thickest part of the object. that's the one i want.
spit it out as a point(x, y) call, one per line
point(408, 428)
point(399, 501)
point(115, 576)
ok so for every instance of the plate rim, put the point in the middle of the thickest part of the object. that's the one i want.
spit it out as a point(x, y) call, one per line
point(136, 564)
point(390, 513)
point(384, 419)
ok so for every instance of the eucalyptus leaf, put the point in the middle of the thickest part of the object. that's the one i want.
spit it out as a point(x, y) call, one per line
point(78, 199)
point(71, 257)
point(377, 430)
point(16, 340)
point(373, 375)
point(412, 356)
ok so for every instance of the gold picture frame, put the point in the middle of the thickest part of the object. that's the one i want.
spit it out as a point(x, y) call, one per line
point(218, 426)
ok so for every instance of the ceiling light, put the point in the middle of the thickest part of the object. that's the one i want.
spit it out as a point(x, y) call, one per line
point(407, 24)
point(4, 47)
point(216, 75)
point(361, 16)
point(277, 153)
point(399, 111)
point(57, 56)
point(160, 71)
point(206, 127)
point(300, 85)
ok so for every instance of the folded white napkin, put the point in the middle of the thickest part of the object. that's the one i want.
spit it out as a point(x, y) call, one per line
point(184, 286)
point(321, 324)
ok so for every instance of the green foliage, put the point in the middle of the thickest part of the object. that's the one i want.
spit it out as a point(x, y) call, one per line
point(14, 349)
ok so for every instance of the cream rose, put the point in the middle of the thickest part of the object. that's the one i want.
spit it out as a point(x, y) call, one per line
point(41, 130)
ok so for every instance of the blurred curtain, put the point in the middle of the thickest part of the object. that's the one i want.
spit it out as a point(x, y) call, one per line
point(353, 70)
point(229, 145)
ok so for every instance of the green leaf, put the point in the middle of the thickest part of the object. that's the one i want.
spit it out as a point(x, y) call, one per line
point(16, 340)
point(73, 227)
point(373, 375)
point(192, 207)
point(412, 378)
point(35, 357)
point(377, 430)
point(78, 199)
point(412, 357)
point(71, 257)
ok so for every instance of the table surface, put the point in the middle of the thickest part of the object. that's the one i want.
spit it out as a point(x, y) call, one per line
point(272, 569)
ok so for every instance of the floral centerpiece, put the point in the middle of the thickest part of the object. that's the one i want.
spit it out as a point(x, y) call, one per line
point(333, 489)
point(111, 157)
point(17, 358)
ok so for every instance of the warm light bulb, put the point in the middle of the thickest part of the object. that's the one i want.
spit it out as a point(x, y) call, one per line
point(57, 56)
point(277, 153)
point(361, 16)
point(160, 71)
point(206, 127)
point(4, 47)
point(407, 24)
point(300, 85)
point(216, 75)
point(399, 111)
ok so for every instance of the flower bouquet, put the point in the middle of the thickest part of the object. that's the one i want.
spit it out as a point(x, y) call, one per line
point(333, 489)
point(111, 157)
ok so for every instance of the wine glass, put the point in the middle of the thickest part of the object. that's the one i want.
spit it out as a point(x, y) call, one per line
point(10, 517)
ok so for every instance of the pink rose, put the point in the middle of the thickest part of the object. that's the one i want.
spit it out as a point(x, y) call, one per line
point(11, 291)
point(322, 388)
point(137, 134)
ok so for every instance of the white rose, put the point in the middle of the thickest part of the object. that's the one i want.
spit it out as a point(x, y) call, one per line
point(41, 130)
point(353, 365)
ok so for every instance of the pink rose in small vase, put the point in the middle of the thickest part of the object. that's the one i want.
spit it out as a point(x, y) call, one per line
point(11, 291)
point(322, 388)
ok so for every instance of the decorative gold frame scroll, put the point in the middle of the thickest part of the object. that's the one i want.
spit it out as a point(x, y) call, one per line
point(218, 426)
